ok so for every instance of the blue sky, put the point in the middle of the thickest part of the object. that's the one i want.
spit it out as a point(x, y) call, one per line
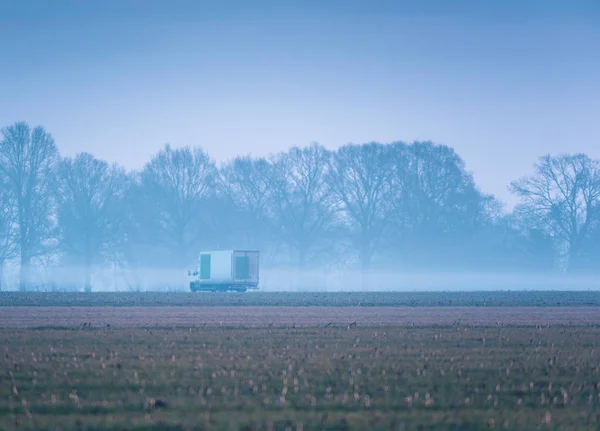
point(502, 82)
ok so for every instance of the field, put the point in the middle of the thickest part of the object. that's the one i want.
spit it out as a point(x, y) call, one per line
point(279, 317)
point(270, 299)
point(222, 364)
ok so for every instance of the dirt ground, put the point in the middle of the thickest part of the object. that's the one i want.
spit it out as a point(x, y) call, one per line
point(26, 317)
point(361, 378)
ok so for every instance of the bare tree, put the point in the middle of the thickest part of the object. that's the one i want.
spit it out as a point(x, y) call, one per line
point(7, 228)
point(437, 207)
point(563, 198)
point(440, 193)
point(303, 210)
point(27, 159)
point(171, 195)
point(360, 181)
point(441, 199)
point(246, 182)
point(90, 196)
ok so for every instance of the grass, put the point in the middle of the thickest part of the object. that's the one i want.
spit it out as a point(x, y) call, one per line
point(364, 299)
point(356, 378)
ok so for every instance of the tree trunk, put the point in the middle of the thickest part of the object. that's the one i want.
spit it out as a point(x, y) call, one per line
point(87, 287)
point(115, 275)
point(1, 273)
point(571, 256)
point(25, 259)
point(365, 254)
point(299, 277)
point(24, 273)
point(88, 275)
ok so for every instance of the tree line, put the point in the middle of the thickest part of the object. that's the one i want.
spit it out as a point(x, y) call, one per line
point(367, 206)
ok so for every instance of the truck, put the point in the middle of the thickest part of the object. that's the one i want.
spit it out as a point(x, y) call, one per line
point(225, 270)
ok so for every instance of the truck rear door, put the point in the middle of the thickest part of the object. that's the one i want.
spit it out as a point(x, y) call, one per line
point(245, 267)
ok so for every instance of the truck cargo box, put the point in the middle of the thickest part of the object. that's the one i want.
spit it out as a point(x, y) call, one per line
point(226, 270)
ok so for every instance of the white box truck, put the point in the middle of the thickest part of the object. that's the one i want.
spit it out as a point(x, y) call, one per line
point(226, 270)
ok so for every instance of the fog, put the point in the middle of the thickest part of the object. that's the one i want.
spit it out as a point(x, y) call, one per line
point(372, 216)
point(294, 280)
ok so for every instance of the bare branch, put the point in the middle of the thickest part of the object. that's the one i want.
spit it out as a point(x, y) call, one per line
point(563, 196)
point(301, 207)
point(27, 160)
point(170, 195)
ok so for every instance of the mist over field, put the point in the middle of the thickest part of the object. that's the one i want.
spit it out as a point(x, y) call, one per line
point(374, 216)
point(306, 280)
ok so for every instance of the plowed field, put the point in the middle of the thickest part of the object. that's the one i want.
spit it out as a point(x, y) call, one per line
point(27, 317)
point(338, 366)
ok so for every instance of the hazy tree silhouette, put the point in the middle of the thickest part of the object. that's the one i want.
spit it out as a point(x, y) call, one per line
point(302, 208)
point(398, 205)
point(246, 182)
point(27, 159)
point(171, 198)
point(7, 227)
point(562, 197)
point(440, 204)
point(507, 243)
point(359, 180)
point(539, 249)
point(589, 256)
point(90, 196)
